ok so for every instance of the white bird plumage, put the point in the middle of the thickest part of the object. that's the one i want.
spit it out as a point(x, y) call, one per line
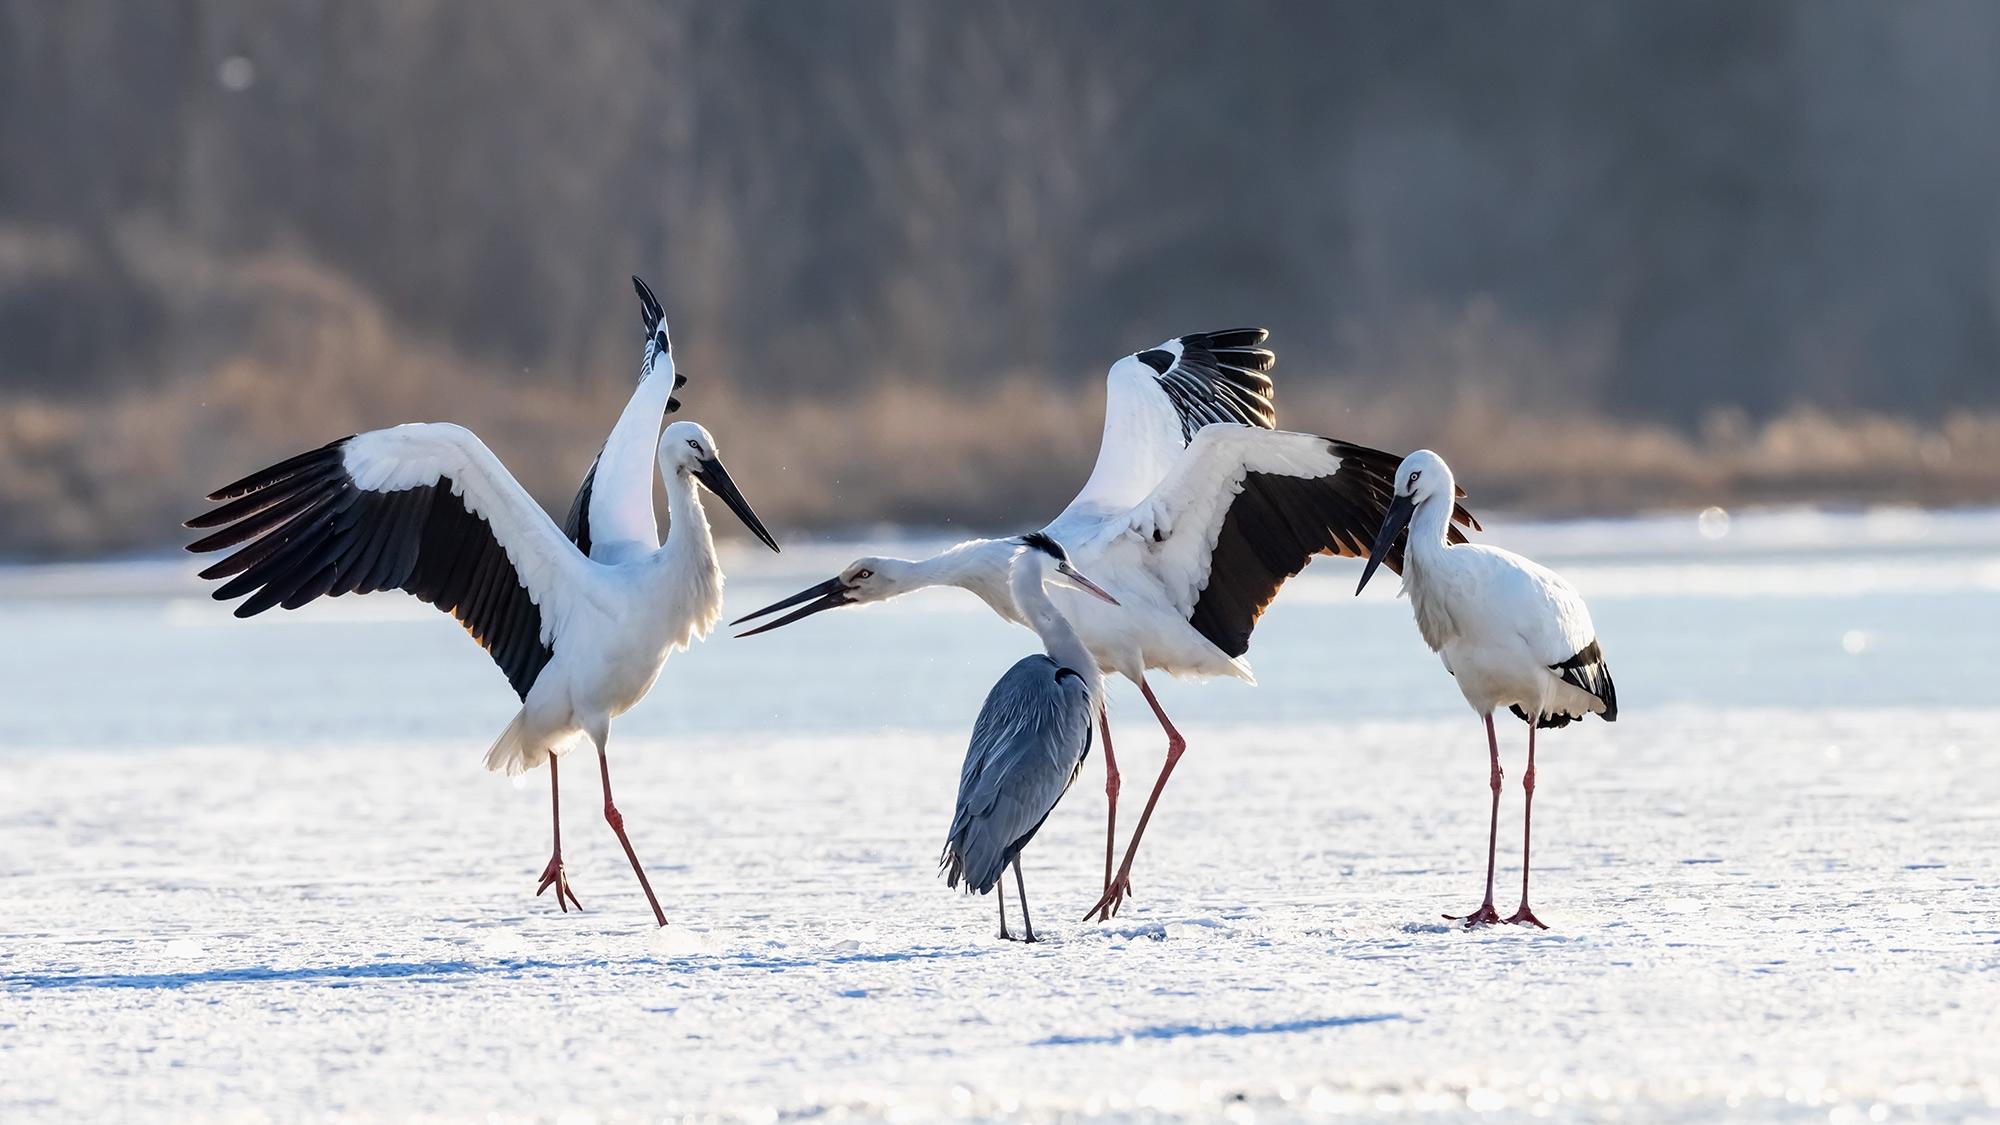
point(1512, 633)
point(1195, 513)
point(427, 508)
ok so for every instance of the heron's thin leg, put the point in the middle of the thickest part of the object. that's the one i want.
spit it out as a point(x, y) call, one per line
point(1023, 888)
point(1486, 913)
point(1527, 833)
point(1111, 808)
point(1121, 883)
point(553, 874)
point(617, 822)
point(1000, 892)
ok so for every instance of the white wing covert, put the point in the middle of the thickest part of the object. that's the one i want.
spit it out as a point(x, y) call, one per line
point(1157, 400)
point(423, 507)
point(1562, 636)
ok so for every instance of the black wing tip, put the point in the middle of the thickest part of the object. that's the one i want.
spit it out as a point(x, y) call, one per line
point(281, 470)
point(1227, 338)
point(649, 305)
point(1587, 672)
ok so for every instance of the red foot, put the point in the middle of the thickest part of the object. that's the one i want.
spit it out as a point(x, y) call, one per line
point(1525, 916)
point(553, 875)
point(1484, 916)
point(1106, 907)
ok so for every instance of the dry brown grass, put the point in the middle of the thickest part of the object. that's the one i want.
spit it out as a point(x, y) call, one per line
point(318, 358)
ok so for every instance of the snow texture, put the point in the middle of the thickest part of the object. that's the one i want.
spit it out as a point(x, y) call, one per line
point(253, 876)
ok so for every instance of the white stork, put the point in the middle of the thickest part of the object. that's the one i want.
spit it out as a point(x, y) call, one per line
point(427, 508)
point(1194, 516)
point(1511, 631)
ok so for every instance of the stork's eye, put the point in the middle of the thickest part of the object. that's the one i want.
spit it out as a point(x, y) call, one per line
point(1413, 478)
point(863, 575)
point(696, 446)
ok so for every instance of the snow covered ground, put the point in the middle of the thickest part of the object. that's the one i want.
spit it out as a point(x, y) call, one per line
point(252, 870)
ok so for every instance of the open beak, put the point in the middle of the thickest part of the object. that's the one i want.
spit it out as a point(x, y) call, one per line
point(1393, 524)
point(1084, 584)
point(830, 594)
point(716, 479)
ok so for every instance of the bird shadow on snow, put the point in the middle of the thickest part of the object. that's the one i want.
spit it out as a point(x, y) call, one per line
point(1200, 1031)
point(420, 970)
point(258, 974)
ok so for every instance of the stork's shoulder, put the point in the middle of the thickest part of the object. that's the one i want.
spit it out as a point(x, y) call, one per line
point(1541, 605)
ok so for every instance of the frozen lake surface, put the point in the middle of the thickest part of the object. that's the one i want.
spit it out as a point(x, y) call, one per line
point(254, 871)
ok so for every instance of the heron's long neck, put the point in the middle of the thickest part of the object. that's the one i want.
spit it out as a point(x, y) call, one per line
point(1059, 637)
point(629, 451)
point(978, 565)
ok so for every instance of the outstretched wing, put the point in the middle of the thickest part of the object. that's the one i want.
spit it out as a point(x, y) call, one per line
point(425, 508)
point(1243, 510)
point(614, 506)
point(1030, 740)
point(1157, 400)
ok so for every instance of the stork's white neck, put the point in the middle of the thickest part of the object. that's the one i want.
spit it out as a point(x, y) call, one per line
point(1428, 566)
point(977, 565)
point(1059, 637)
point(1431, 524)
point(687, 569)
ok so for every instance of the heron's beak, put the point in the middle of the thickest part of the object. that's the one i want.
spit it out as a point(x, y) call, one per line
point(716, 479)
point(1393, 524)
point(830, 594)
point(1082, 583)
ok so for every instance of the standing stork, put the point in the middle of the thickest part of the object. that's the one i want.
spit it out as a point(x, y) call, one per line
point(1511, 631)
point(427, 508)
point(1031, 737)
point(1194, 516)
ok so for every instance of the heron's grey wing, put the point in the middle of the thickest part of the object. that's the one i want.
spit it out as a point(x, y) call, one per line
point(1031, 738)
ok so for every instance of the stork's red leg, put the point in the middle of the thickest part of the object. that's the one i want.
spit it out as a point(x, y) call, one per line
point(553, 874)
point(1525, 915)
point(1121, 883)
point(1111, 808)
point(617, 822)
point(1486, 913)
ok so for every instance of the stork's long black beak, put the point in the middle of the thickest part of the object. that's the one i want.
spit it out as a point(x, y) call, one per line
point(716, 478)
point(831, 594)
point(1393, 524)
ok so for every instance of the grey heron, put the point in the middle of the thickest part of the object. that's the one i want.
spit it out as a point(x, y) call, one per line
point(427, 508)
point(1031, 736)
point(1513, 634)
point(1194, 516)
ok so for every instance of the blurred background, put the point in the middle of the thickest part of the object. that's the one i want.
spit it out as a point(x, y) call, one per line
point(1607, 258)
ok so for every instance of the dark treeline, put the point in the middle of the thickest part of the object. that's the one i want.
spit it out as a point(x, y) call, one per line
point(1699, 203)
point(1693, 217)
